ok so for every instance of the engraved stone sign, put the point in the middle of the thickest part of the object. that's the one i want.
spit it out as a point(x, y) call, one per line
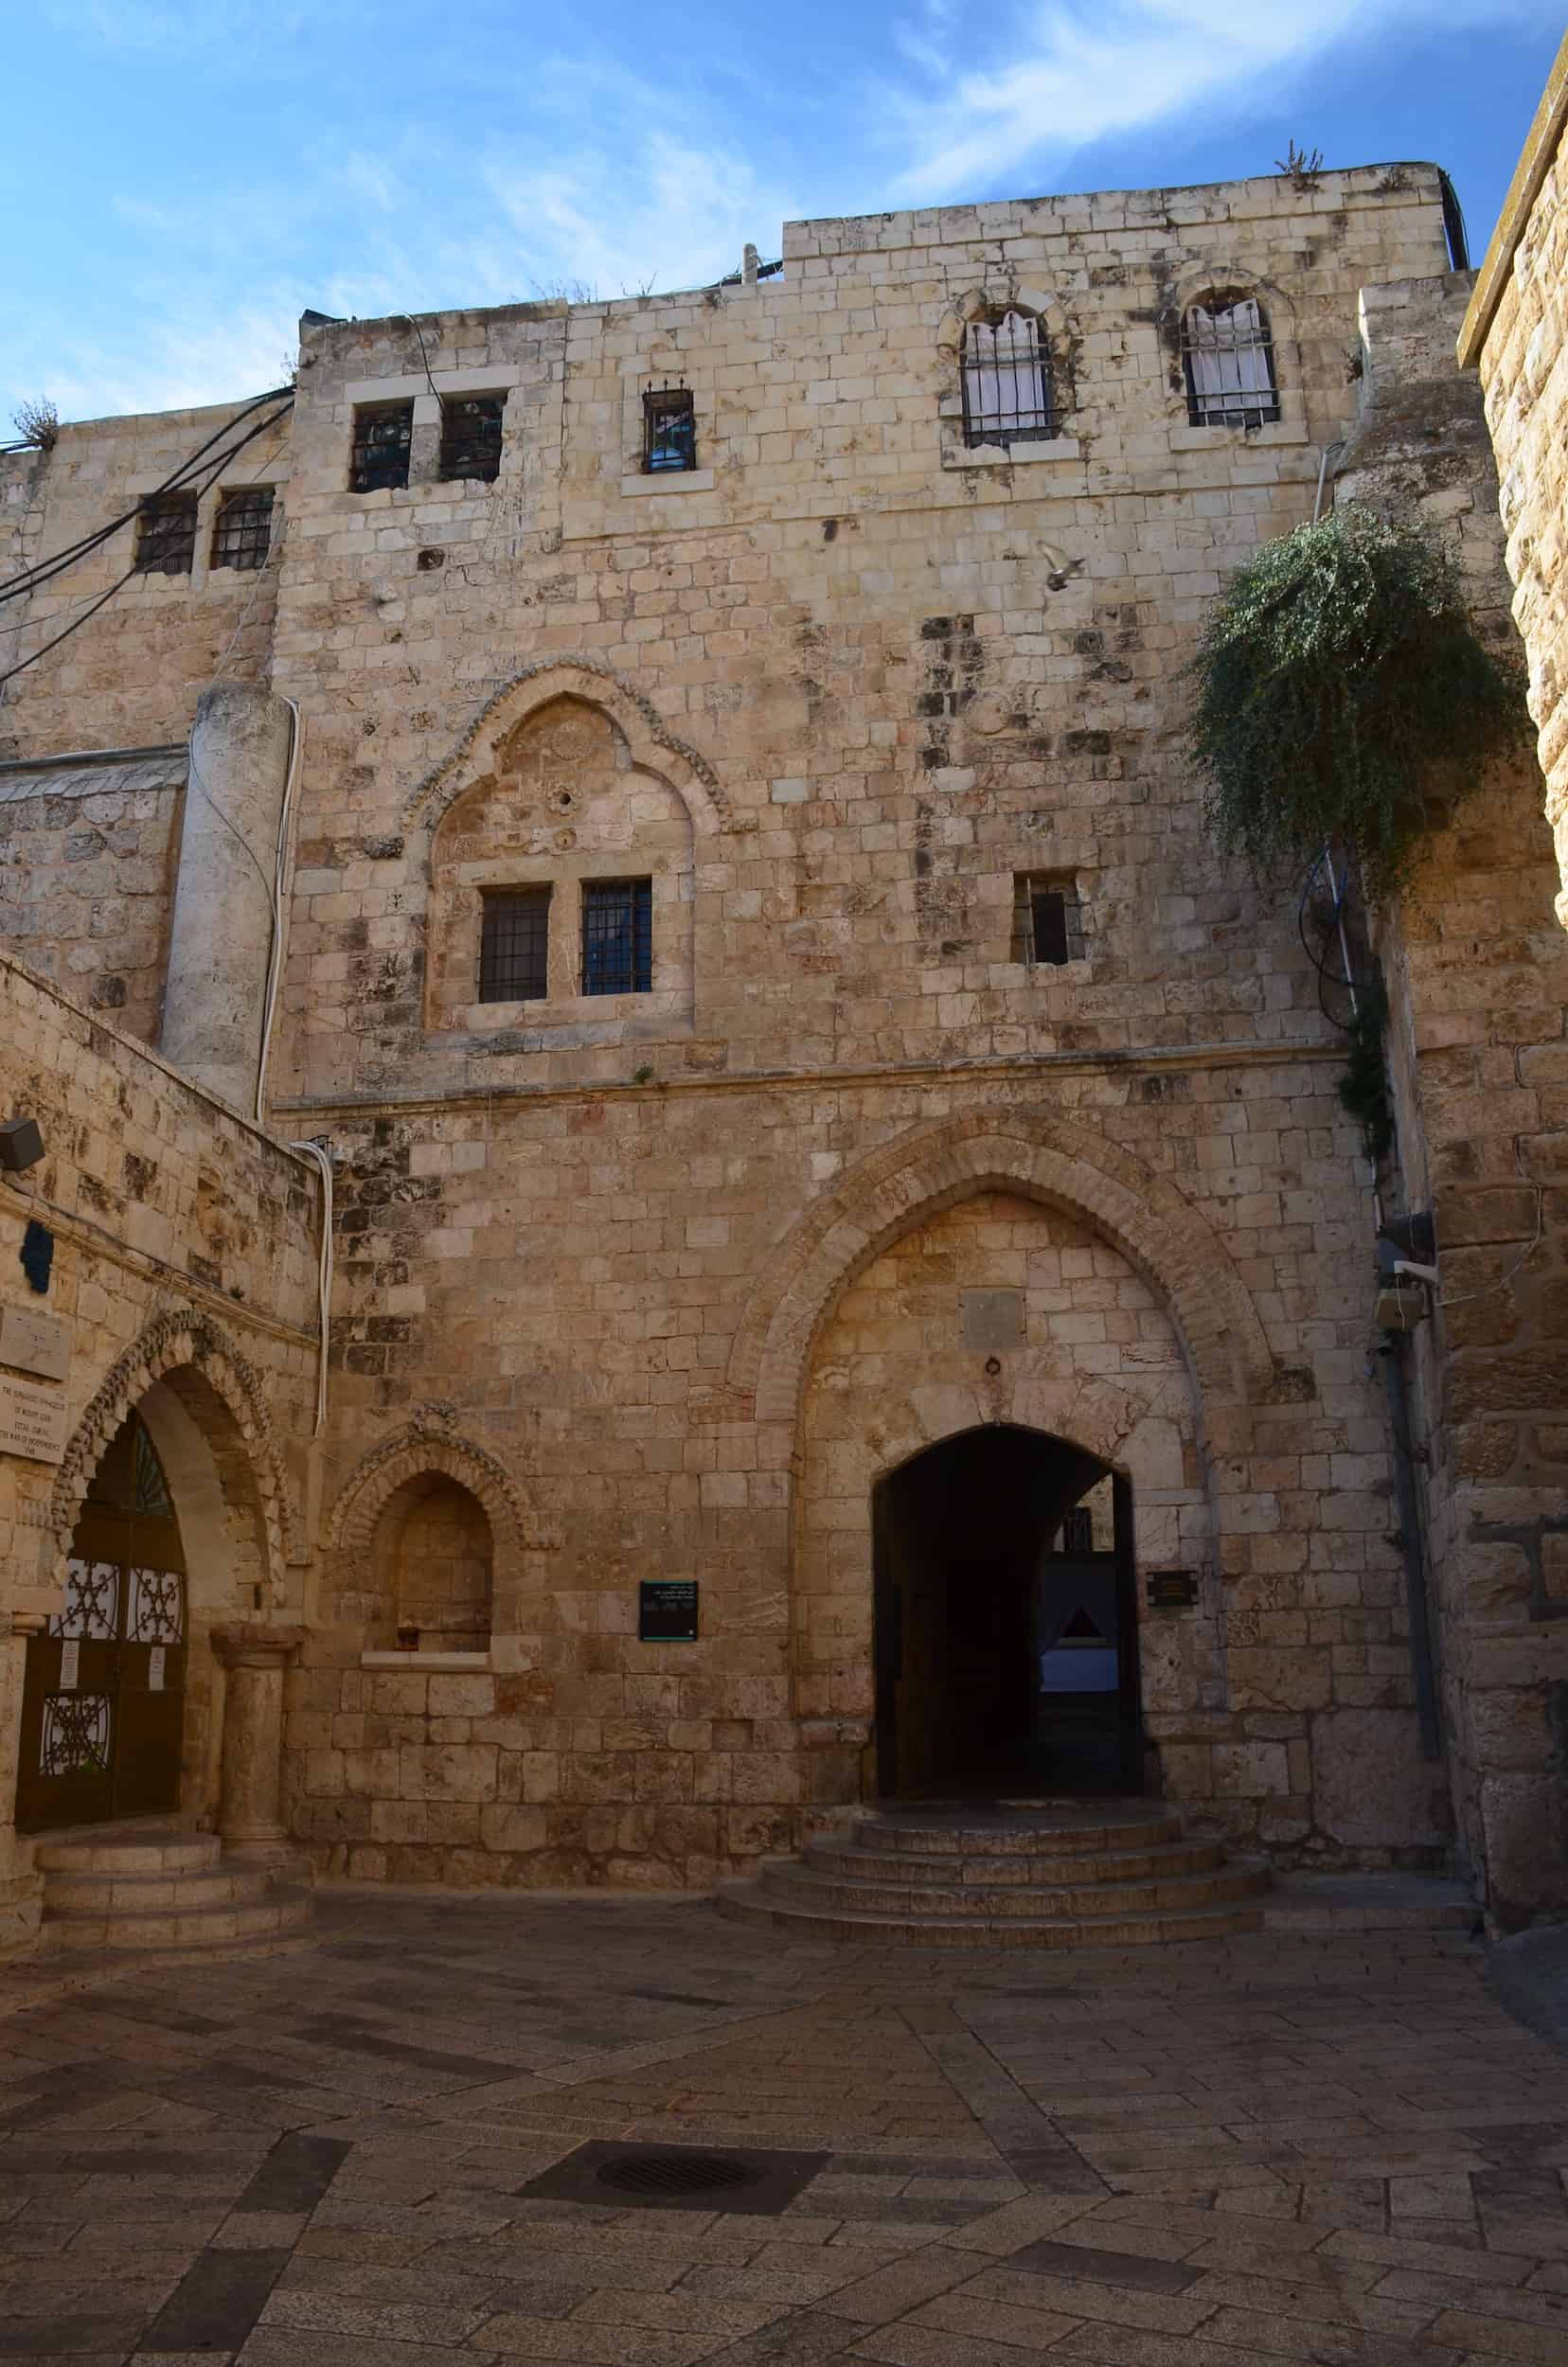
point(35, 1342)
point(33, 1419)
point(992, 1321)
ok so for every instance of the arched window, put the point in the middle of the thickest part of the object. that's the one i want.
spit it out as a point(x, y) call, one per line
point(1227, 353)
point(1007, 375)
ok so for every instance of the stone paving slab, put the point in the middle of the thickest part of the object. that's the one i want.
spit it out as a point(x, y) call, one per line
point(1329, 2146)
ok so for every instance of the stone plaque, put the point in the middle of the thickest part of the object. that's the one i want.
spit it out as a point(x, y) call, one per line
point(35, 1343)
point(32, 1420)
point(667, 1610)
point(992, 1320)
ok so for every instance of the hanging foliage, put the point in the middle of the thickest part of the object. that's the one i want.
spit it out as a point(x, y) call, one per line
point(1341, 683)
point(1364, 1087)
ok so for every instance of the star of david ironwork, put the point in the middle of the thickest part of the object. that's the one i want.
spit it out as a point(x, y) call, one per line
point(92, 1602)
point(75, 1735)
point(157, 1607)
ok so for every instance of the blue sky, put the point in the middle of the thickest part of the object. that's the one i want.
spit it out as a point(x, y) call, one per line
point(180, 178)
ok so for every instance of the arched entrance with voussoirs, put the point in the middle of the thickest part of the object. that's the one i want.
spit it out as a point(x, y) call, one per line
point(1006, 1621)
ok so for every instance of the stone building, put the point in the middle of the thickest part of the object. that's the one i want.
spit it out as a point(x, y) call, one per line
point(822, 1148)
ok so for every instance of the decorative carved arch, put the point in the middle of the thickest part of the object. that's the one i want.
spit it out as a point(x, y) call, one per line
point(178, 1339)
point(653, 746)
point(432, 1440)
point(1049, 1159)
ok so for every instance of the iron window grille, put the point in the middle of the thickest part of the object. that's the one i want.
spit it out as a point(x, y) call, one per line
point(514, 945)
point(242, 533)
point(670, 430)
point(1048, 922)
point(166, 535)
point(1227, 353)
point(617, 937)
point(1077, 1531)
point(1007, 392)
point(383, 432)
point(471, 437)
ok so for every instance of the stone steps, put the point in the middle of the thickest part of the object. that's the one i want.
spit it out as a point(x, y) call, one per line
point(147, 1890)
point(1047, 1875)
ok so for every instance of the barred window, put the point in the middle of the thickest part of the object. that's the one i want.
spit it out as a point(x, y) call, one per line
point(1228, 356)
point(242, 533)
point(514, 946)
point(670, 430)
point(383, 434)
point(1047, 919)
point(166, 535)
point(617, 937)
point(471, 437)
point(1006, 382)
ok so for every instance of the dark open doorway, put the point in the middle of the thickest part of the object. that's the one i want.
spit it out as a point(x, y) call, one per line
point(1006, 1621)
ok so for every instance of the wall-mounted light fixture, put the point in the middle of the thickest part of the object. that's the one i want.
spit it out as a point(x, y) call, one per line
point(21, 1145)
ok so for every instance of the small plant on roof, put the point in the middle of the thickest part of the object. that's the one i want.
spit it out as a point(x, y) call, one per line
point(37, 423)
point(1340, 685)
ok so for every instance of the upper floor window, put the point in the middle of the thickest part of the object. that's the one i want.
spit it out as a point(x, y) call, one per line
point(166, 535)
point(514, 945)
point(1047, 920)
point(1006, 382)
point(242, 533)
point(1228, 355)
point(617, 937)
point(471, 437)
point(383, 432)
point(670, 430)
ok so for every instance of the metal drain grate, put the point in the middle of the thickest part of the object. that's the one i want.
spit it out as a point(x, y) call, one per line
point(676, 2178)
point(673, 2173)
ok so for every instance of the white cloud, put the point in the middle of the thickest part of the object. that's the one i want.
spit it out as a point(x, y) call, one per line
point(1073, 73)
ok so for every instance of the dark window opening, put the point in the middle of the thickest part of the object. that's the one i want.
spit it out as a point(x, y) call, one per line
point(1047, 920)
point(617, 937)
point(383, 434)
point(471, 437)
point(1077, 1531)
point(1228, 356)
point(514, 946)
point(166, 535)
point(1006, 382)
point(670, 430)
point(241, 535)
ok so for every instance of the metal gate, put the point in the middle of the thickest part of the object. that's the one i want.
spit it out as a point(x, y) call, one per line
point(105, 1692)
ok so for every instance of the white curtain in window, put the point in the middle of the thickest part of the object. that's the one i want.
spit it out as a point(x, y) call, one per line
point(1230, 360)
point(1004, 373)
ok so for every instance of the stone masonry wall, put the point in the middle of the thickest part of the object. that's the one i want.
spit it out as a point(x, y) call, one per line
point(184, 1271)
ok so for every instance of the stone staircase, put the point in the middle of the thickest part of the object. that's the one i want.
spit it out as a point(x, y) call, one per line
point(1043, 1874)
point(141, 1890)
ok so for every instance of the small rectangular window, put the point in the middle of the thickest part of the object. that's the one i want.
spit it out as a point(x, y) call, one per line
point(1047, 920)
point(242, 533)
point(617, 937)
point(166, 535)
point(514, 946)
point(1077, 1531)
point(670, 430)
point(471, 437)
point(382, 435)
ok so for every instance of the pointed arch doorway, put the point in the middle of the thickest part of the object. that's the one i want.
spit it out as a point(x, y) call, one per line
point(1006, 1645)
point(104, 1692)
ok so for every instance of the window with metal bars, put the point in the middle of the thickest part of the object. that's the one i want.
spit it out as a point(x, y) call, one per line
point(1077, 1531)
point(1006, 382)
point(1047, 920)
point(166, 535)
point(514, 946)
point(383, 432)
point(471, 437)
point(670, 430)
point(1227, 353)
point(617, 937)
point(242, 532)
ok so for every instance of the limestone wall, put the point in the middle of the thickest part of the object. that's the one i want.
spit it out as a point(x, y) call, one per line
point(183, 1271)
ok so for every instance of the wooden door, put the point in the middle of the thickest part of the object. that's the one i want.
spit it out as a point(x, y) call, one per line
point(103, 1697)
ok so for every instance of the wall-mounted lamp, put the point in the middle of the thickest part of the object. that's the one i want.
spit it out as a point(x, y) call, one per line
point(21, 1145)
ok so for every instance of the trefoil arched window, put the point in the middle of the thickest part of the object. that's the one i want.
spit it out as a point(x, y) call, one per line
point(1006, 382)
point(1227, 354)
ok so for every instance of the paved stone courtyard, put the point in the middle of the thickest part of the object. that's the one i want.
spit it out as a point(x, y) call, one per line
point(1339, 2150)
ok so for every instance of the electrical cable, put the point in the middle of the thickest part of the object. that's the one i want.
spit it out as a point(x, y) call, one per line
point(424, 355)
point(275, 893)
point(322, 1157)
point(28, 579)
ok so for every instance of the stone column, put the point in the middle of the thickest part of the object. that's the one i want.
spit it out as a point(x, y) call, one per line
point(21, 1889)
point(250, 1812)
point(222, 931)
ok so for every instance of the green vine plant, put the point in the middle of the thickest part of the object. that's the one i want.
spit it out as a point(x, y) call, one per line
point(1341, 694)
point(1363, 1086)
